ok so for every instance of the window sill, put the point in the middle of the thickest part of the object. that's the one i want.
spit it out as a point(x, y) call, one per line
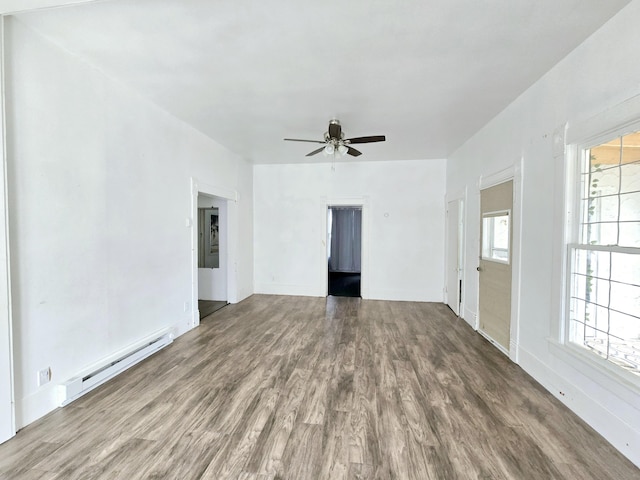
point(620, 383)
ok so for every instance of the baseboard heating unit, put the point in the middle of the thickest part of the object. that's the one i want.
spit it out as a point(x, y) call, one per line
point(78, 386)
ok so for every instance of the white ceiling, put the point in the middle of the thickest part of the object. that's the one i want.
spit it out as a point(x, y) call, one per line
point(248, 73)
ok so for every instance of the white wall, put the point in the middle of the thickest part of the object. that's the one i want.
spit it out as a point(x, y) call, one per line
point(242, 231)
point(212, 282)
point(100, 193)
point(600, 73)
point(405, 226)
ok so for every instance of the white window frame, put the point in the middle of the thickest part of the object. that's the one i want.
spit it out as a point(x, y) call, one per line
point(573, 172)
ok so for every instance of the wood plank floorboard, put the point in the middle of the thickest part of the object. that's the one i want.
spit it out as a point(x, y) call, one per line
point(340, 388)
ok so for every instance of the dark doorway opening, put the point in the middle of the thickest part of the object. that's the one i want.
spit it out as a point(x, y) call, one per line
point(344, 225)
point(342, 284)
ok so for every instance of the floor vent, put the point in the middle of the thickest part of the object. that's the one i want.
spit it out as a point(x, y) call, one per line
point(78, 386)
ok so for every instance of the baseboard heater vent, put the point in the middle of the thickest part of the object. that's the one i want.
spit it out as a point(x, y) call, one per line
point(78, 386)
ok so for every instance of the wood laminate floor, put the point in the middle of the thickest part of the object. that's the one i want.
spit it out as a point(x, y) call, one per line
point(312, 388)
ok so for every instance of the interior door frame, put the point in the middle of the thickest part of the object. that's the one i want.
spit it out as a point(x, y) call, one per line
point(232, 241)
point(359, 202)
point(514, 173)
point(7, 387)
point(459, 196)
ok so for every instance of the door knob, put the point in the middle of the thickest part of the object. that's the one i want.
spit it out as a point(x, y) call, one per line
point(479, 269)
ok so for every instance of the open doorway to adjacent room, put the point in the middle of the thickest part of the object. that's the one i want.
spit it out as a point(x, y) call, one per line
point(212, 254)
point(344, 250)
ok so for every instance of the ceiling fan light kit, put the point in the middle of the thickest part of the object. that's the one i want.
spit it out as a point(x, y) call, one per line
point(335, 144)
point(329, 149)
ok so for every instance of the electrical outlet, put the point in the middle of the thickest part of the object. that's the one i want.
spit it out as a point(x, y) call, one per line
point(186, 307)
point(44, 376)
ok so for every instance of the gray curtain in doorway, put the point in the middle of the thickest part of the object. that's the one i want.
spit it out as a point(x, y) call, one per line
point(346, 238)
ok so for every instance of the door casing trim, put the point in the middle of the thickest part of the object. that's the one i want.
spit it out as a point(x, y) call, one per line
point(231, 196)
point(514, 173)
point(363, 203)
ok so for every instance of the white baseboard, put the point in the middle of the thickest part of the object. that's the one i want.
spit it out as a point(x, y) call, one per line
point(402, 295)
point(288, 289)
point(471, 318)
point(37, 405)
point(608, 424)
point(47, 398)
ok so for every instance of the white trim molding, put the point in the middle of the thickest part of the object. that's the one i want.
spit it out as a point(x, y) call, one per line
point(604, 123)
point(231, 196)
point(496, 178)
point(516, 255)
point(7, 392)
point(362, 202)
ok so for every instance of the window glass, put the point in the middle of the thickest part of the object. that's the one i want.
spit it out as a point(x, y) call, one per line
point(610, 199)
point(604, 292)
point(495, 237)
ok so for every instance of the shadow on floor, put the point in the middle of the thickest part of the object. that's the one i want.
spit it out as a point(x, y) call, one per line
point(207, 307)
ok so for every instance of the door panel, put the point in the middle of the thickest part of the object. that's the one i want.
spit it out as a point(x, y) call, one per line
point(495, 301)
point(453, 266)
point(496, 206)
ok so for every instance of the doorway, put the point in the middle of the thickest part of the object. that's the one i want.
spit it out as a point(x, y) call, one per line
point(454, 255)
point(495, 266)
point(212, 254)
point(344, 250)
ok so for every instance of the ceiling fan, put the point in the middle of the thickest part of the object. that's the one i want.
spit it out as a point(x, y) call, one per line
point(335, 143)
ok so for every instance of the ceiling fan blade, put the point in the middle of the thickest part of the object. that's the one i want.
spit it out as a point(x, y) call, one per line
point(314, 152)
point(353, 152)
point(299, 140)
point(335, 130)
point(374, 138)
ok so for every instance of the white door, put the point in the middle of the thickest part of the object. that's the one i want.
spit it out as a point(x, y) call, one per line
point(496, 207)
point(453, 277)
